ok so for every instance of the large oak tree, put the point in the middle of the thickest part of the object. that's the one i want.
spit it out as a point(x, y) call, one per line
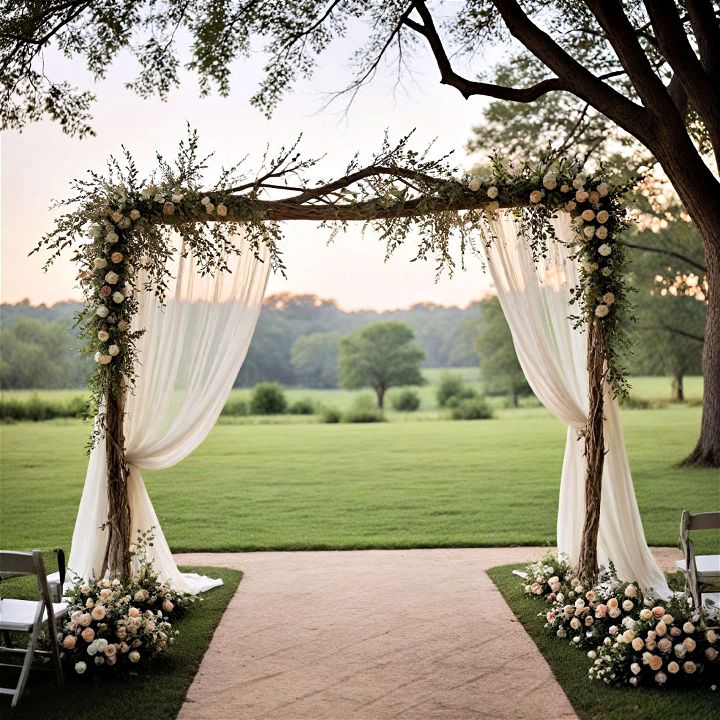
point(650, 68)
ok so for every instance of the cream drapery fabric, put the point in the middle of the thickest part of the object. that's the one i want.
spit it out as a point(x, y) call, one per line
point(188, 359)
point(552, 353)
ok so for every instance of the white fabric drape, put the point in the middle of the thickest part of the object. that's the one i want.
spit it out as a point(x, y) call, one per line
point(188, 359)
point(552, 353)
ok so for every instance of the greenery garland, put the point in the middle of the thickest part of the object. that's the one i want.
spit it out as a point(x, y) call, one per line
point(120, 225)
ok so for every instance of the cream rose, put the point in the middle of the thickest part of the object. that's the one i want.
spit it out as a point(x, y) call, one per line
point(134, 214)
point(570, 205)
point(605, 250)
point(550, 181)
point(103, 335)
point(635, 669)
point(589, 231)
point(688, 627)
point(105, 359)
point(689, 644)
point(603, 189)
point(99, 263)
point(609, 299)
point(112, 237)
point(679, 651)
point(660, 678)
point(601, 232)
point(123, 325)
point(110, 650)
point(594, 197)
point(168, 208)
point(661, 628)
point(134, 656)
point(134, 612)
point(177, 198)
point(673, 667)
point(167, 606)
point(209, 208)
point(602, 311)
point(102, 311)
point(492, 192)
point(80, 667)
point(116, 216)
point(711, 636)
point(111, 278)
point(668, 619)
point(536, 196)
point(638, 644)
point(474, 185)
point(113, 350)
point(689, 667)
point(117, 257)
point(579, 181)
point(222, 210)
point(84, 619)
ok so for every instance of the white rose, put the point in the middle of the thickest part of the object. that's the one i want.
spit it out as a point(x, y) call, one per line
point(111, 278)
point(635, 669)
point(605, 250)
point(99, 660)
point(80, 668)
point(92, 648)
point(97, 357)
point(113, 350)
point(146, 192)
point(177, 198)
point(99, 263)
point(660, 678)
point(601, 311)
point(205, 201)
point(103, 335)
point(123, 325)
point(95, 232)
point(222, 210)
point(609, 299)
point(601, 232)
point(492, 192)
point(159, 198)
point(689, 628)
point(603, 189)
point(606, 271)
point(474, 184)
point(112, 237)
point(102, 311)
point(135, 214)
point(117, 297)
point(589, 231)
point(550, 181)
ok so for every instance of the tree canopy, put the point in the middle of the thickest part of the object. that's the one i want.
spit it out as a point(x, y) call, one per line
point(380, 356)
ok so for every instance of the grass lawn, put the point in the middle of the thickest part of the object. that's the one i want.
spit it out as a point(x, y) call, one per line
point(396, 484)
point(156, 697)
point(591, 700)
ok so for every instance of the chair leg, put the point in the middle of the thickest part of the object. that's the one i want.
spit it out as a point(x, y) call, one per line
point(55, 650)
point(8, 638)
point(25, 671)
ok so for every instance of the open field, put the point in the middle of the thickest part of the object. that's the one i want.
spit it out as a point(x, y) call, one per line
point(398, 484)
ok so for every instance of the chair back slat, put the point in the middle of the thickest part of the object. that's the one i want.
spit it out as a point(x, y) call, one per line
point(704, 521)
point(16, 563)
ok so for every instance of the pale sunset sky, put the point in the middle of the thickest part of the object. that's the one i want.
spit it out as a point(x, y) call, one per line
point(38, 164)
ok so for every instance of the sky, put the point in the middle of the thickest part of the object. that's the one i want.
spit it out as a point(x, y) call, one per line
point(38, 164)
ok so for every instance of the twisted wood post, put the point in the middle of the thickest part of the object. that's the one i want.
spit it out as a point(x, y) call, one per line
point(594, 451)
point(117, 553)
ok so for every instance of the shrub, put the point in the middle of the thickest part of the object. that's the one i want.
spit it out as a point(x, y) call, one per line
point(329, 414)
point(364, 410)
point(406, 401)
point(305, 406)
point(36, 408)
point(268, 399)
point(476, 408)
point(236, 408)
point(451, 390)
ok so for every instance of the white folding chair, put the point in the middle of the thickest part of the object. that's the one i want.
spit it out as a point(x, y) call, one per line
point(29, 616)
point(699, 570)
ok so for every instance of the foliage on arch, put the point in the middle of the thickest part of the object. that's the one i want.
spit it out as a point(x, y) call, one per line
point(119, 224)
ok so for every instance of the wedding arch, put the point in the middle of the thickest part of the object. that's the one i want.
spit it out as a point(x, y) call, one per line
point(174, 273)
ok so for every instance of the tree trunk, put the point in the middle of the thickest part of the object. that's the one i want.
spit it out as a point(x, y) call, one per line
point(594, 452)
point(678, 394)
point(699, 191)
point(380, 392)
point(117, 554)
point(515, 398)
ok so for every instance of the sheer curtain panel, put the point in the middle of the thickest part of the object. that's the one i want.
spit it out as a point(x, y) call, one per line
point(188, 359)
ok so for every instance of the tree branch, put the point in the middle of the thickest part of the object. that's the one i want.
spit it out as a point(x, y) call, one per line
point(466, 87)
point(581, 82)
point(677, 331)
point(671, 253)
point(706, 24)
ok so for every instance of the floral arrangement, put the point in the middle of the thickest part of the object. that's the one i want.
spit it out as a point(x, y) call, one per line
point(667, 645)
point(631, 638)
point(547, 576)
point(116, 627)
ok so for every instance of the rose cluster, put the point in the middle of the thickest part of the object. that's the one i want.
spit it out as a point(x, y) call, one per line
point(666, 646)
point(111, 626)
point(547, 576)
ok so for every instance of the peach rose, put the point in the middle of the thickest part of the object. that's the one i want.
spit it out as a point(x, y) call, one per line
point(689, 667)
point(121, 632)
point(658, 611)
point(655, 662)
point(88, 634)
point(167, 606)
point(711, 654)
point(668, 619)
point(98, 612)
point(638, 644)
point(646, 614)
point(661, 628)
point(689, 644)
point(69, 642)
point(612, 603)
point(673, 667)
point(601, 611)
point(664, 645)
point(110, 650)
point(134, 612)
